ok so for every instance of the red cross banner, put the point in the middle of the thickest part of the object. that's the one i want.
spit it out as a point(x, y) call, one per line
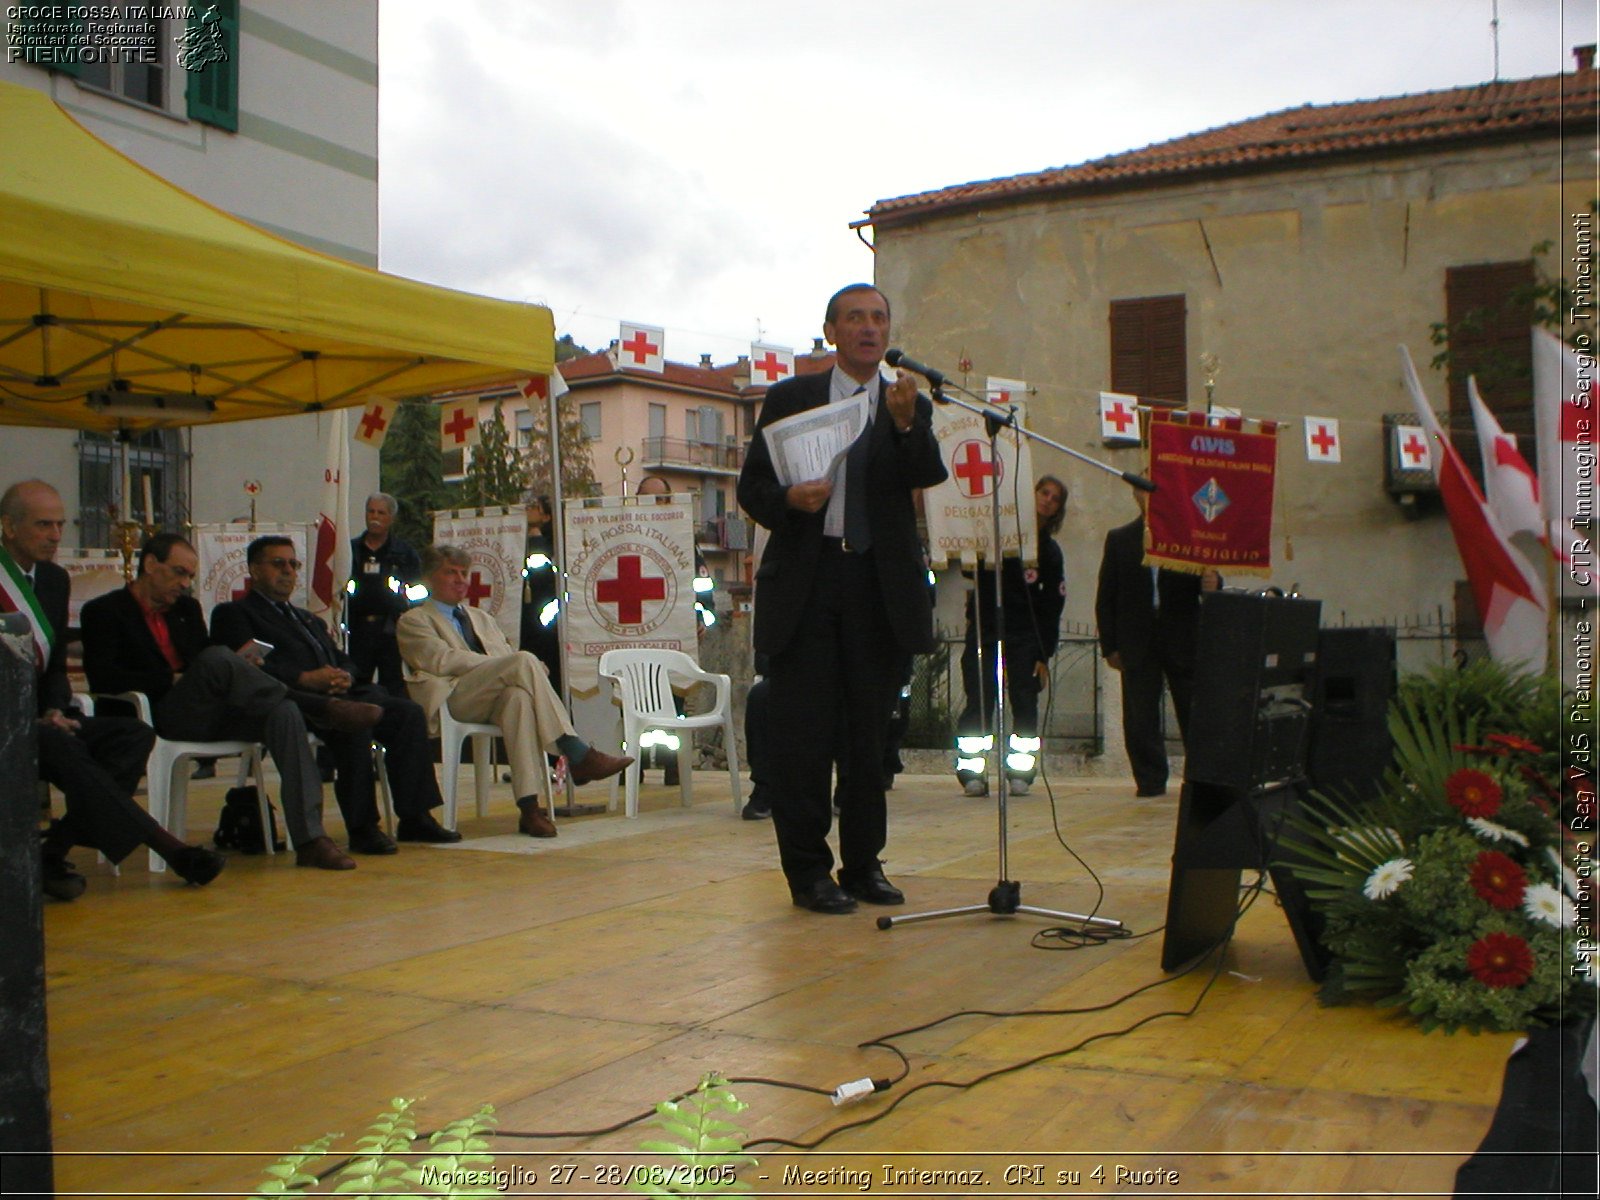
point(1119, 418)
point(94, 573)
point(223, 575)
point(497, 540)
point(1212, 507)
point(630, 571)
point(768, 364)
point(1410, 448)
point(640, 347)
point(960, 511)
point(1322, 440)
point(373, 427)
point(458, 424)
point(329, 566)
point(539, 387)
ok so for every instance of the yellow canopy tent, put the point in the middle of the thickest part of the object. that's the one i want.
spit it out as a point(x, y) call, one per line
point(125, 302)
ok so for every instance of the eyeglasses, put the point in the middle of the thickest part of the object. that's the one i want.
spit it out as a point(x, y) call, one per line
point(283, 564)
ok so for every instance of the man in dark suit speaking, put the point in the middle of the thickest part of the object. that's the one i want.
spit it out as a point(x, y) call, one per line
point(841, 599)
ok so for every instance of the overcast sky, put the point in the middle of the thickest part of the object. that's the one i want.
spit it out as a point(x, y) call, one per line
point(696, 164)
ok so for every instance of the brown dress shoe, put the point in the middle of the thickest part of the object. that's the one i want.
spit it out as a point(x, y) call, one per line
point(351, 716)
point(597, 764)
point(534, 822)
point(323, 854)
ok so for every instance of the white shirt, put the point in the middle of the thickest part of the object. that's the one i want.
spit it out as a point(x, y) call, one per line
point(842, 387)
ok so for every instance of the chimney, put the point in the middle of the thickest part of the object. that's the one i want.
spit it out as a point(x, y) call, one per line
point(818, 348)
point(1585, 56)
point(705, 362)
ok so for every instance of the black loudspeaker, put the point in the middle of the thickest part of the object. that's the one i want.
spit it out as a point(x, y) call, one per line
point(1349, 746)
point(1255, 666)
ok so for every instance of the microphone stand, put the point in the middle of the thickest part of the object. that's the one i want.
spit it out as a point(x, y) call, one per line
point(1005, 898)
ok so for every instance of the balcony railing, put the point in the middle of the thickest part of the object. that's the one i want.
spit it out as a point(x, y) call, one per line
point(724, 533)
point(683, 453)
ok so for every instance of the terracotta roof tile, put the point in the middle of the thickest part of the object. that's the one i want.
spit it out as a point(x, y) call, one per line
point(1389, 126)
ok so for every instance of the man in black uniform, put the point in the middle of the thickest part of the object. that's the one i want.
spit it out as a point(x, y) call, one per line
point(381, 565)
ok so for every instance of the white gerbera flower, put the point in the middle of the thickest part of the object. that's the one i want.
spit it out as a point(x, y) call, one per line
point(1545, 903)
point(1494, 832)
point(1386, 880)
point(1569, 877)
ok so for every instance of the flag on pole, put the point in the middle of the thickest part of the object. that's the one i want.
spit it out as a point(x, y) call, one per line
point(539, 387)
point(1322, 440)
point(768, 363)
point(1510, 596)
point(458, 424)
point(1509, 481)
point(1004, 392)
point(1564, 415)
point(640, 348)
point(375, 420)
point(1119, 417)
point(330, 559)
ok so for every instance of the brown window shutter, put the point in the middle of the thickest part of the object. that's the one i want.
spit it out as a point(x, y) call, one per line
point(1149, 356)
point(1489, 313)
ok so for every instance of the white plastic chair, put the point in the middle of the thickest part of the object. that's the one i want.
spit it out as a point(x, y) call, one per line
point(642, 681)
point(167, 775)
point(453, 735)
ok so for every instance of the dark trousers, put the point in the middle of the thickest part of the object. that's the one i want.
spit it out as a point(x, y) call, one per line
point(96, 770)
point(1143, 676)
point(377, 654)
point(220, 697)
point(1022, 685)
point(403, 733)
point(842, 664)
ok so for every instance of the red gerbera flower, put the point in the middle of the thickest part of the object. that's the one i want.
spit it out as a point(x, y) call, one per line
point(1500, 960)
point(1511, 741)
point(1472, 793)
point(1498, 880)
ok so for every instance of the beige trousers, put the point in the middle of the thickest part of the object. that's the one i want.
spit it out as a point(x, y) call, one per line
point(513, 691)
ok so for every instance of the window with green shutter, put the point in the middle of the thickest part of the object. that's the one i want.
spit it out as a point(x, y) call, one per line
point(210, 56)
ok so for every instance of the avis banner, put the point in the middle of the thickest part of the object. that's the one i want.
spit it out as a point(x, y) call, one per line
point(1212, 507)
point(960, 511)
point(224, 574)
point(497, 540)
point(630, 576)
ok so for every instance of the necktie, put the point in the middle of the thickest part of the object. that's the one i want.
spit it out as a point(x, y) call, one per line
point(306, 635)
point(465, 625)
point(857, 525)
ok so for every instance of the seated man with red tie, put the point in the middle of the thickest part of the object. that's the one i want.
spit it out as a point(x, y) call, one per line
point(305, 658)
point(461, 657)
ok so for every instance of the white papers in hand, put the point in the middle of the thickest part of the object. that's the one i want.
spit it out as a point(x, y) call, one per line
point(811, 444)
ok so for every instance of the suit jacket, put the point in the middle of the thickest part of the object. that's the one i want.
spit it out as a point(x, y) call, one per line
point(236, 622)
point(52, 586)
point(1124, 607)
point(119, 651)
point(897, 464)
point(437, 654)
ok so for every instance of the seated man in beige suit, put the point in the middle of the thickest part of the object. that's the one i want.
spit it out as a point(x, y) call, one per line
point(458, 655)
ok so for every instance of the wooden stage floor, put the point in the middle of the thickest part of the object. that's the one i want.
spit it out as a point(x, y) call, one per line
point(196, 1033)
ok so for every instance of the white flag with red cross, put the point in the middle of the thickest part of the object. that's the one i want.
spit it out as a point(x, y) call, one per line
point(1004, 392)
point(540, 387)
point(375, 420)
point(496, 540)
point(1322, 440)
point(640, 348)
point(1411, 447)
point(1565, 412)
point(981, 477)
point(458, 424)
point(769, 363)
point(1119, 417)
point(330, 549)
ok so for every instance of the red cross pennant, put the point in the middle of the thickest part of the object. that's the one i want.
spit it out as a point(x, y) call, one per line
point(643, 345)
point(374, 424)
point(1322, 439)
point(630, 589)
point(1413, 449)
point(1117, 416)
point(536, 386)
point(975, 471)
point(457, 427)
point(477, 590)
point(771, 365)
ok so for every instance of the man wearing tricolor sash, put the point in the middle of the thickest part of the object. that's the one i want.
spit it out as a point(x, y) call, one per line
point(96, 762)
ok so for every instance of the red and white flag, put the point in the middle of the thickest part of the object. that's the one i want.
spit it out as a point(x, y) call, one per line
point(458, 424)
point(1322, 440)
point(1004, 392)
point(1512, 487)
point(1411, 447)
point(539, 387)
point(1565, 411)
point(1119, 417)
point(640, 348)
point(330, 554)
point(1510, 596)
point(768, 363)
point(375, 420)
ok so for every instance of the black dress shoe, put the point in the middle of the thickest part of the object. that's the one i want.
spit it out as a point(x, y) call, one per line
point(197, 865)
point(869, 884)
point(372, 840)
point(757, 808)
point(822, 896)
point(425, 829)
point(60, 881)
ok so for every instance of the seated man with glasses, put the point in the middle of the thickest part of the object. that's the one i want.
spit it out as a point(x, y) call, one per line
point(151, 637)
point(304, 657)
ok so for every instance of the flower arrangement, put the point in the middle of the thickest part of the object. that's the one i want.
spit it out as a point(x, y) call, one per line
point(1454, 892)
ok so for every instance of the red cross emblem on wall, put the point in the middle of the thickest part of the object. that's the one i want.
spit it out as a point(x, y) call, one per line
point(1119, 417)
point(641, 347)
point(630, 589)
point(1414, 451)
point(458, 426)
point(1323, 440)
point(373, 422)
point(976, 473)
point(770, 365)
point(477, 590)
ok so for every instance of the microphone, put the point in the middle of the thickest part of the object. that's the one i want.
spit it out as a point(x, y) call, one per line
point(899, 358)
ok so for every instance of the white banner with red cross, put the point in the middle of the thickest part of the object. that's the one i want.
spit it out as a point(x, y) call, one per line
point(497, 540)
point(960, 510)
point(224, 574)
point(630, 578)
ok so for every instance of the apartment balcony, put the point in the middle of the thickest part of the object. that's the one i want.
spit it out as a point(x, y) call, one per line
point(681, 454)
point(724, 533)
